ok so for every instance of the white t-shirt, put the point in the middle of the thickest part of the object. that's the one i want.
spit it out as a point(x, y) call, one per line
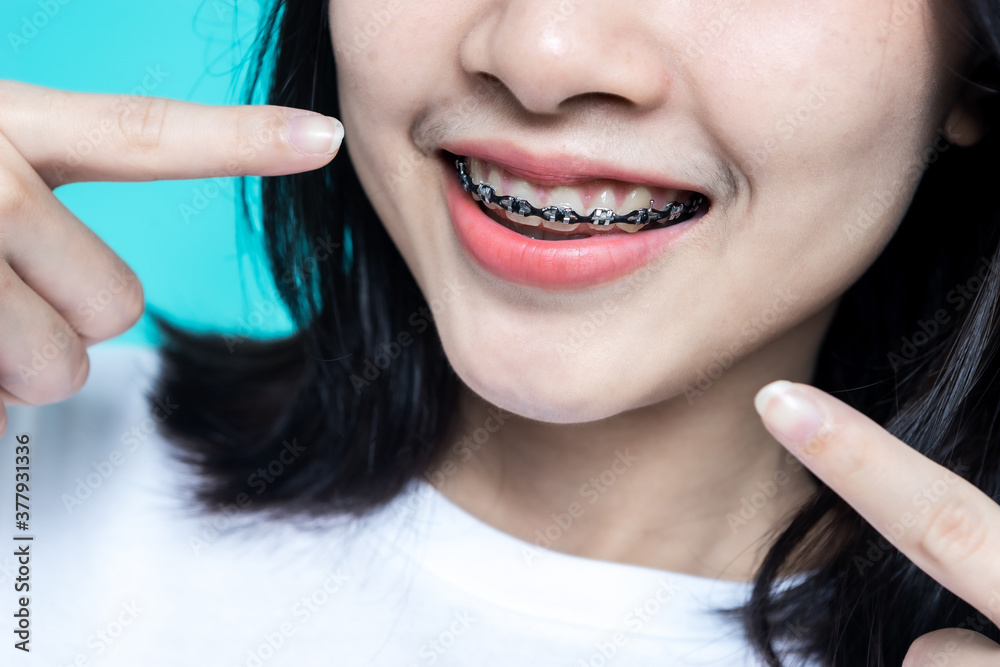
point(123, 569)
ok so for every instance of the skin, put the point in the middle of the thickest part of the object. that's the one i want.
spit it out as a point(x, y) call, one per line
point(775, 253)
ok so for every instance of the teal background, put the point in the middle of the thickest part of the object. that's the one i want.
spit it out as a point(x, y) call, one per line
point(194, 271)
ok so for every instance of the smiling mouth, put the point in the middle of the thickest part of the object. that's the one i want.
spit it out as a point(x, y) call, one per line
point(552, 214)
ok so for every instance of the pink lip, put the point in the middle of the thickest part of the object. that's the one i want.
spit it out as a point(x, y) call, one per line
point(566, 264)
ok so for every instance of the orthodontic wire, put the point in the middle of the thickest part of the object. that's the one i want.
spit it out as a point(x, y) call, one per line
point(671, 214)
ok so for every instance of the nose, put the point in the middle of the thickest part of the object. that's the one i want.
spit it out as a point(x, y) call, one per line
point(548, 52)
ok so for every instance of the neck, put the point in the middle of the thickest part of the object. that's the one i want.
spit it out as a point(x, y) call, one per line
point(693, 484)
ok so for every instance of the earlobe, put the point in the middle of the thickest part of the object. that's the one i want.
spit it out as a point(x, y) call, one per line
point(963, 127)
point(965, 124)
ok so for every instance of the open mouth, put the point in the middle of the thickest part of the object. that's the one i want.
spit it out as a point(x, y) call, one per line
point(556, 213)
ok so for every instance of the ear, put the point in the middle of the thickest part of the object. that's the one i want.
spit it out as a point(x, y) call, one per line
point(965, 124)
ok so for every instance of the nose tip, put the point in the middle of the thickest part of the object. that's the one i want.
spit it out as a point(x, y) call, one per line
point(551, 55)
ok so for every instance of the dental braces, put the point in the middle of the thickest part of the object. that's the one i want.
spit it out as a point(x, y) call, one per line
point(671, 214)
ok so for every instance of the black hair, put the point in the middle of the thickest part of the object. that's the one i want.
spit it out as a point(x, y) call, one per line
point(911, 345)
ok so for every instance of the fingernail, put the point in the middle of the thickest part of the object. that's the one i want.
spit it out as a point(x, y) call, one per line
point(787, 411)
point(315, 135)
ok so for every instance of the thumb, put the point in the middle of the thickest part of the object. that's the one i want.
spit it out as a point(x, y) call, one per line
point(70, 137)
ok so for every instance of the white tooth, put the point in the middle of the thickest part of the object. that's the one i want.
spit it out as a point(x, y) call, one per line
point(531, 222)
point(560, 226)
point(494, 179)
point(564, 196)
point(600, 228)
point(604, 200)
point(524, 190)
point(638, 198)
point(671, 197)
point(628, 227)
point(476, 171)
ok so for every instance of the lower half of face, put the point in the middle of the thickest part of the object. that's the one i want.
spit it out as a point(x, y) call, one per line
point(804, 128)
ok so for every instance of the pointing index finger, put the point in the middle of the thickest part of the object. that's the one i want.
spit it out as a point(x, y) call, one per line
point(71, 137)
point(945, 525)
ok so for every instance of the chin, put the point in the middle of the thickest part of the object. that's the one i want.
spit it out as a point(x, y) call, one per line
point(549, 390)
point(552, 405)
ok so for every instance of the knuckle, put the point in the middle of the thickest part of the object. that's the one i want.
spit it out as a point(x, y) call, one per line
point(71, 374)
point(8, 90)
point(79, 372)
point(54, 369)
point(9, 282)
point(954, 532)
point(14, 196)
point(854, 457)
point(117, 305)
point(133, 305)
point(11, 94)
point(254, 132)
point(141, 123)
point(842, 445)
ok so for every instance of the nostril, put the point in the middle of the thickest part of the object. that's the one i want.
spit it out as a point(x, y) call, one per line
point(493, 83)
point(596, 99)
point(490, 79)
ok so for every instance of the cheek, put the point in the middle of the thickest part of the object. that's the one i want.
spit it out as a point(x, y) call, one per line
point(386, 62)
point(829, 88)
point(837, 107)
point(387, 72)
point(377, 96)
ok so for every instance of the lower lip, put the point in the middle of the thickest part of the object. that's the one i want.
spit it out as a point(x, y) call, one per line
point(552, 264)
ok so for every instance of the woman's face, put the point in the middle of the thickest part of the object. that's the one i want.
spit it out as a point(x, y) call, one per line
point(805, 124)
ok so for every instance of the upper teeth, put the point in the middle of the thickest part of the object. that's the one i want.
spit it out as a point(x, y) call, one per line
point(558, 207)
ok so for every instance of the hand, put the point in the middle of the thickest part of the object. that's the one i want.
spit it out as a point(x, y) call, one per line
point(61, 287)
point(952, 534)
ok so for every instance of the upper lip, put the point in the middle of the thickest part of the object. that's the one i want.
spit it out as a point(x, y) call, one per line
point(559, 169)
